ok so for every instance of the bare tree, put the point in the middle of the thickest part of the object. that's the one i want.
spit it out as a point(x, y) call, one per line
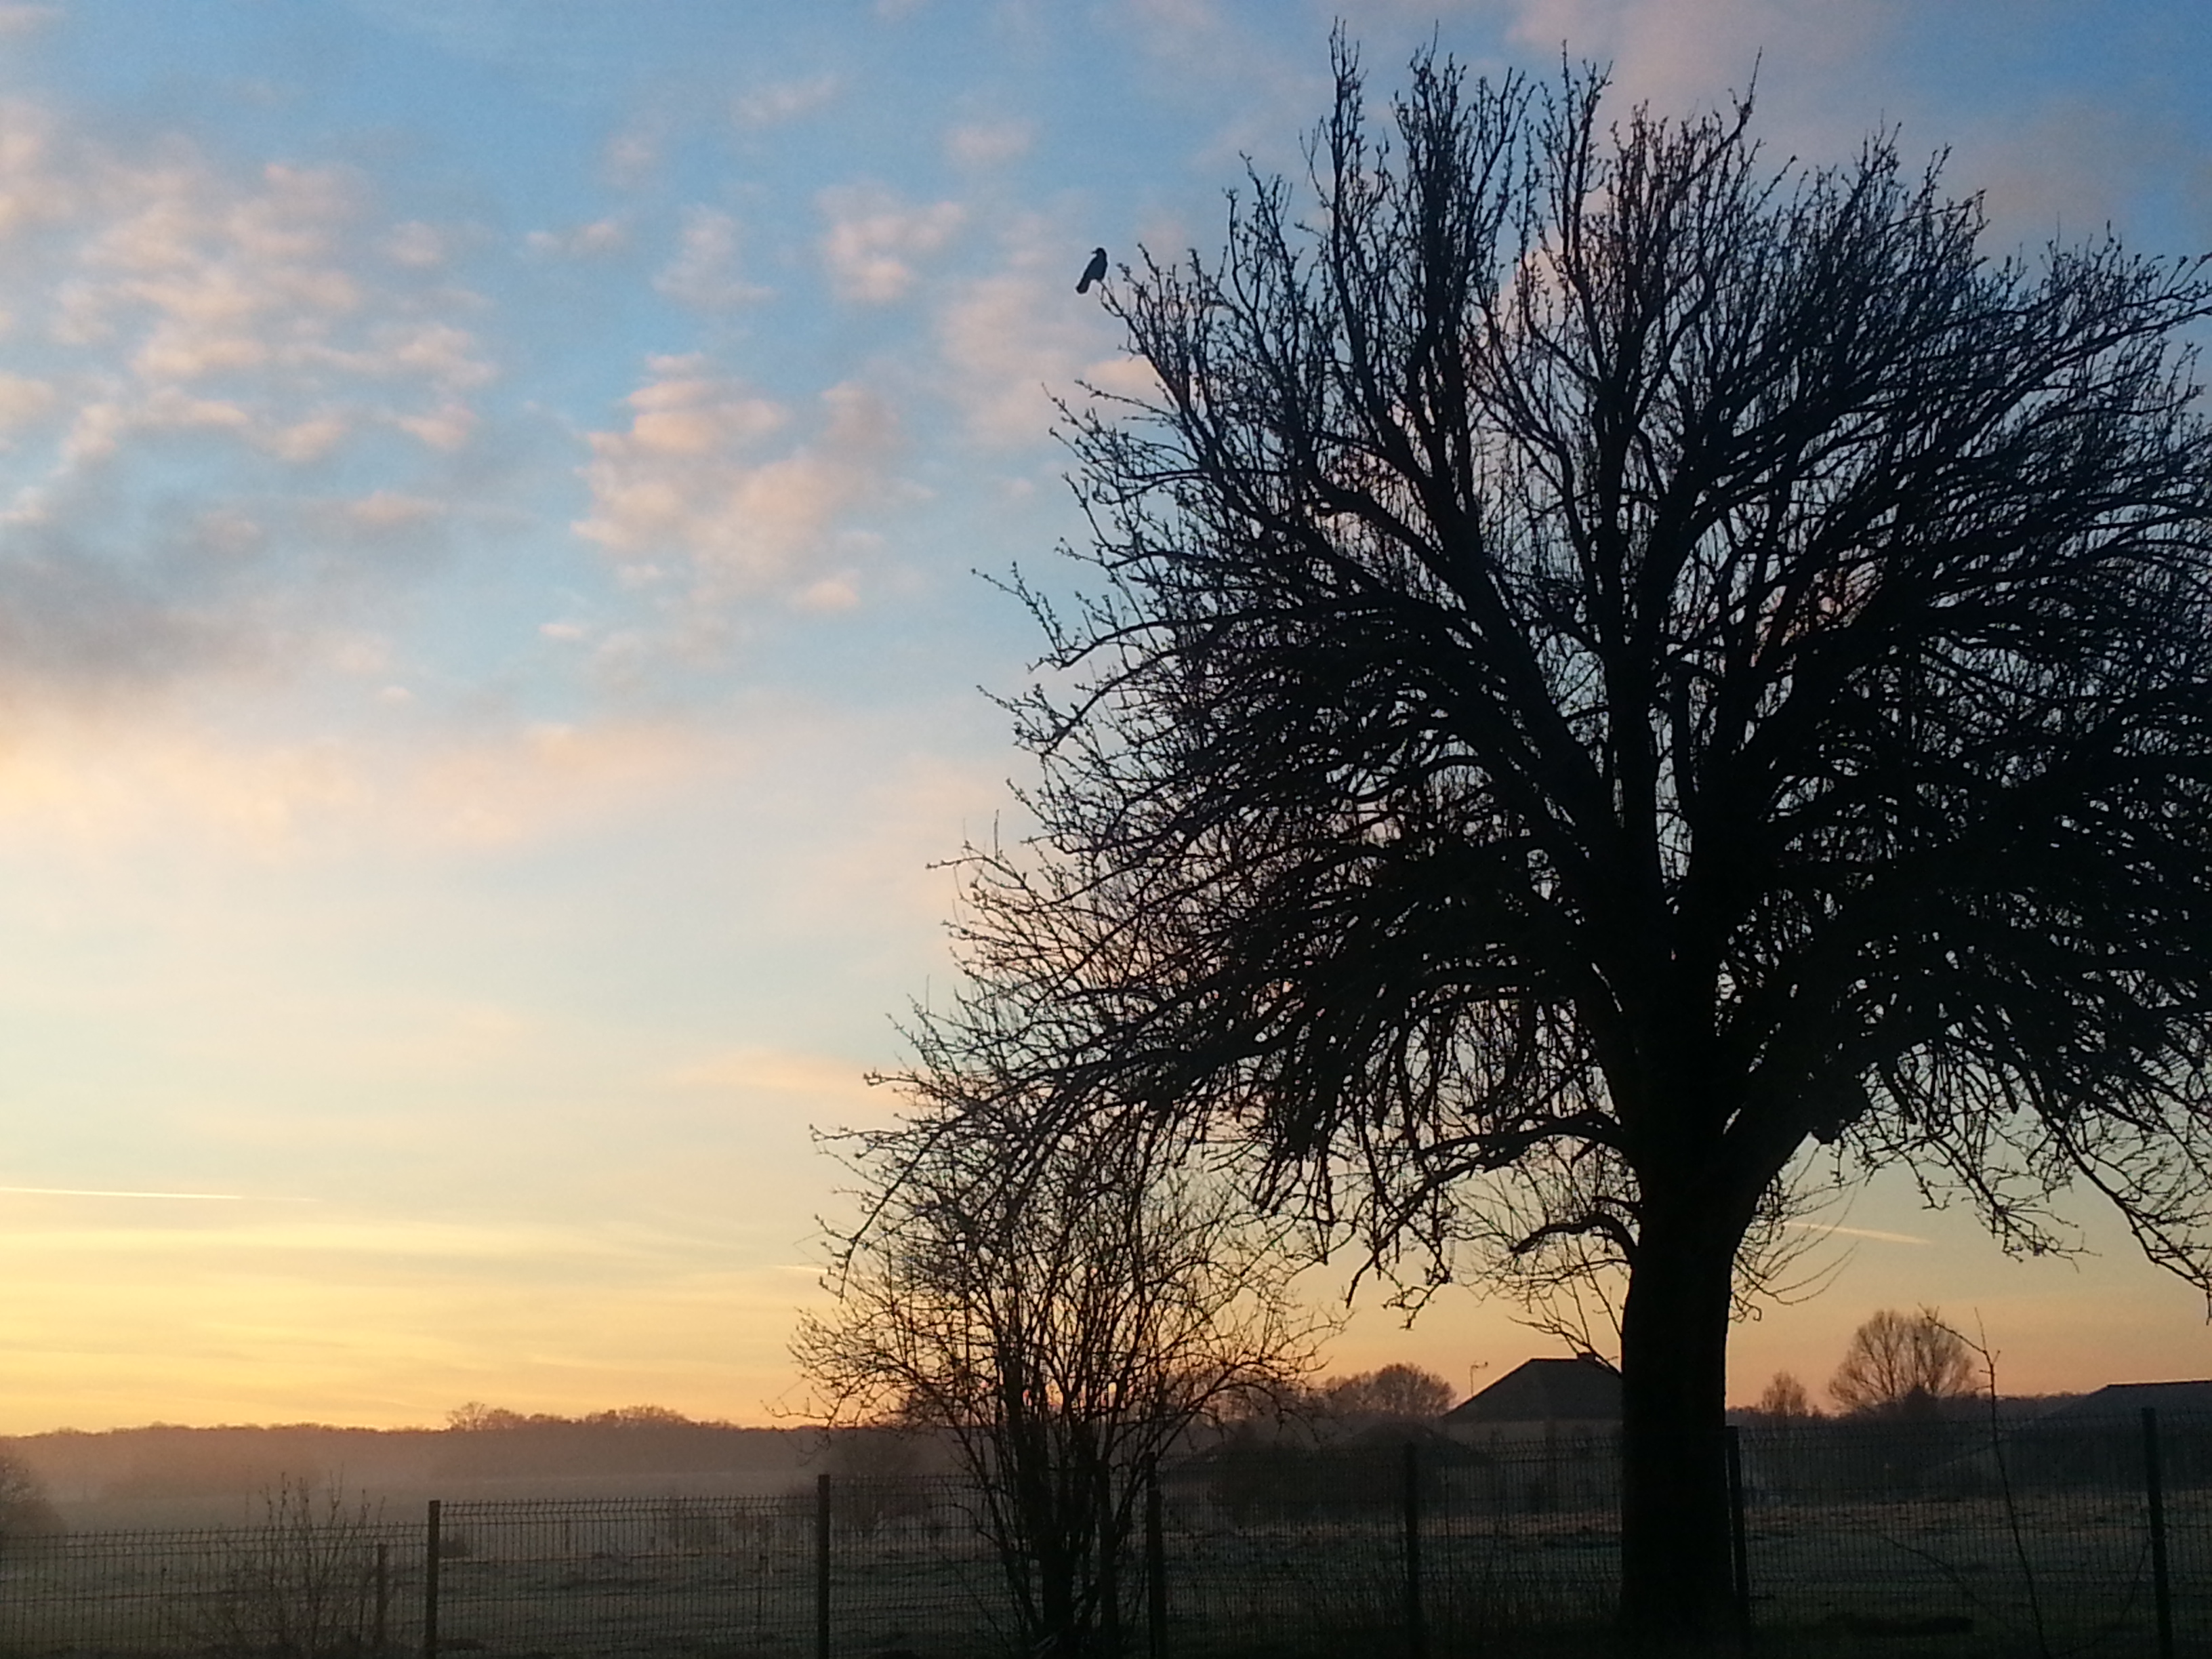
point(26, 1508)
point(1622, 681)
point(1062, 1323)
point(1904, 1365)
point(1785, 1400)
point(1406, 1393)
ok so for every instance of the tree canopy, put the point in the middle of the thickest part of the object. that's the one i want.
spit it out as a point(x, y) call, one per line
point(1904, 1365)
point(1618, 674)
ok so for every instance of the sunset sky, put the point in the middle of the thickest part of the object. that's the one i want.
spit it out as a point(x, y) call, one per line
point(489, 648)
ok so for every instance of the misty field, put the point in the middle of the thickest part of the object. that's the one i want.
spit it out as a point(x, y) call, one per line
point(1916, 1545)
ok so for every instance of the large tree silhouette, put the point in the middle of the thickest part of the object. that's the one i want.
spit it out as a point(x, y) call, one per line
point(1614, 670)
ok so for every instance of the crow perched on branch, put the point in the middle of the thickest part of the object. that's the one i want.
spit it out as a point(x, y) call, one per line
point(1093, 272)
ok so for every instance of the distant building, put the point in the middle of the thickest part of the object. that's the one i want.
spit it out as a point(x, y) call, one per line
point(1552, 1399)
point(1533, 1424)
point(2128, 1400)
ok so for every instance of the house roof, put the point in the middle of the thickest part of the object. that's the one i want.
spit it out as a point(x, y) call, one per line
point(2127, 1399)
point(1580, 1390)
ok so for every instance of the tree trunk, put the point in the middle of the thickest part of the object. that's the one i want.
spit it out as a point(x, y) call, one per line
point(1675, 1566)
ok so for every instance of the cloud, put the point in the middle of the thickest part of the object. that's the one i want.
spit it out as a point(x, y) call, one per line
point(22, 401)
point(989, 144)
point(19, 20)
point(93, 785)
point(630, 157)
point(715, 474)
point(705, 274)
point(1011, 340)
point(780, 102)
point(873, 237)
point(1683, 55)
point(580, 241)
point(418, 245)
point(187, 278)
point(191, 340)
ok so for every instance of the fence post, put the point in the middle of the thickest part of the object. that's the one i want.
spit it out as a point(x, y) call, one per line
point(1109, 1576)
point(430, 1583)
point(2154, 1490)
point(1416, 1644)
point(383, 1592)
point(1156, 1565)
point(1738, 1549)
point(822, 1566)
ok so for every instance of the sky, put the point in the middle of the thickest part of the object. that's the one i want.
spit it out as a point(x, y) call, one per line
point(492, 658)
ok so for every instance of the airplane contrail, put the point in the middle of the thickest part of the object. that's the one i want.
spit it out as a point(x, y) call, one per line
point(101, 1192)
point(1857, 1232)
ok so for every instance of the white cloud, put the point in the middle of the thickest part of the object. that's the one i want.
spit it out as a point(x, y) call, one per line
point(873, 237)
point(631, 156)
point(188, 279)
point(388, 509)
point(15, 18)
point(1013, 339)
point(1685, 55)
point(415, 244)
point(180, 318)
point(705, 272)
point(780, 102)
point(989, 144)
point(831, 593)
point(22, 401)
point(580, 241)
point(86, 785)
point(711, 472)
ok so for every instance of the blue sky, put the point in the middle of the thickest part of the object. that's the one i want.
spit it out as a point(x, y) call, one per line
point(489, 646)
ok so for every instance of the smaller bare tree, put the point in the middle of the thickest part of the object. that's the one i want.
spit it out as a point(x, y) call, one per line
point(1403, 1393)
point(1785, 1400)
point(25, 1509)
point(302, 1585)
point(1904, 1365)
point(1060, 1324)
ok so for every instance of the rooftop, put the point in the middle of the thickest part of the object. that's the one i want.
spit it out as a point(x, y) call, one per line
point(1580, 1390)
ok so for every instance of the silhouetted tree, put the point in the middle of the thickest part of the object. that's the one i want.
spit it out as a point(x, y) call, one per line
point(1616, 666)
point(1785, 1400)
point(1904, 1365)
point(1405, 1392)
point(1060, 1322)
point(26, 1509)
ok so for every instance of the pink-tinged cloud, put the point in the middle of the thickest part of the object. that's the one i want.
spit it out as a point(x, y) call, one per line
point(715, 476)
point(875, 241)
point(707, 273)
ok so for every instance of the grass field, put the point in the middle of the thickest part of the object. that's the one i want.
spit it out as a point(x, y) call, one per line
point(1966, 1565)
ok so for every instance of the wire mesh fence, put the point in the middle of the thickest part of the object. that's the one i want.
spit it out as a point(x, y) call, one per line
point(353, 1587)
point(2068, 1541)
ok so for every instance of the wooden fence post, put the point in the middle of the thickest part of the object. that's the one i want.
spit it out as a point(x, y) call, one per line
point(2154, 1490)
point(822, 1567)
point(1417, 1643)
point(430, 1583)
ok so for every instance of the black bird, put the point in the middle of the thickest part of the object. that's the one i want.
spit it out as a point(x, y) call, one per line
point(1093, 272)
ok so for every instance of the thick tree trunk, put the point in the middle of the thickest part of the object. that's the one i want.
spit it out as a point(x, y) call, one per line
point(1676, 1578)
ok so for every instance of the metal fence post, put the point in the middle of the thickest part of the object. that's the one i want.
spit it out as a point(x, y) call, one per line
point(822, 1566)
point(1109, 1577)
point(1156, 1565)
point(383, 1592)
point(1739, 1550)
point(430, 1583)
point(2154, 1490)
point(1416, 1644)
